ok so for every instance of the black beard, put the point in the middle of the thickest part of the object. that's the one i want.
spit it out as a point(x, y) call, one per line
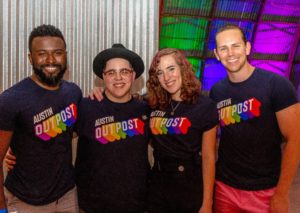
point(50, 81)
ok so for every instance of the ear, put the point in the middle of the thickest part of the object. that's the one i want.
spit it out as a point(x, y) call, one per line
point(216, 54)
point(248, 48)
point(133, 75)
point(30, 58)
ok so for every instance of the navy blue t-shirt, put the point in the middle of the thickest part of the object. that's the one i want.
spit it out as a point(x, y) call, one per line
point(112, 164)
point(180, 135)
point(249, 154)
point(42, 123)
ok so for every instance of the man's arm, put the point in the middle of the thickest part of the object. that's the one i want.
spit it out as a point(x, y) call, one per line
point(5, 137)
point(289, 124)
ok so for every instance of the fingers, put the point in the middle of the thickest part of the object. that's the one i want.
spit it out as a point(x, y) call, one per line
point(91, 95)
point(99, 95)
point(9, 164)
point(96, 93)
point(9, 160)
point(10, 155)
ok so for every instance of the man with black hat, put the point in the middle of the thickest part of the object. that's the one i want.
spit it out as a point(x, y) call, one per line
point(112, 165)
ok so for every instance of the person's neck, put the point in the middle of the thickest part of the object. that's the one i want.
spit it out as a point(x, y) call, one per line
point(176, 97)
point(241, 75)
point(41, 84)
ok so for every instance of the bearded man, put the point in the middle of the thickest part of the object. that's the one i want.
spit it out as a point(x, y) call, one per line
point(37, 117)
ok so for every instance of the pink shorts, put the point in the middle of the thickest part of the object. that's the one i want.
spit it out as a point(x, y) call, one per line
point(231, 200)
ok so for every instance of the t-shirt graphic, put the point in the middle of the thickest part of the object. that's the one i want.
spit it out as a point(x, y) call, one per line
point(161, 125)
point(48, 125)
point(107, 130)
point(233, 113)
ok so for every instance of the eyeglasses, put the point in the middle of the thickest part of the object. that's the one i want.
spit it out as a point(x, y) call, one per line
point(125, 73)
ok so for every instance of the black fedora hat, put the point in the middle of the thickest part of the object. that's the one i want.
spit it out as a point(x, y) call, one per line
point(118, 51)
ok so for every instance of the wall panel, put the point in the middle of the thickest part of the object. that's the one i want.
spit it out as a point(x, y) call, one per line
point(89, 26)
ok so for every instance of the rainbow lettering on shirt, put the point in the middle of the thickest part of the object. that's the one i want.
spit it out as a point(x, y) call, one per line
point(56, 124)
point(162, 126)
point(119, 130)
point(241, 111)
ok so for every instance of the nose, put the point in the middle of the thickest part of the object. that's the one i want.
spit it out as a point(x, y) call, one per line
point(50, 59)
point(230, 51)
point(118, 76)
point(166, 76)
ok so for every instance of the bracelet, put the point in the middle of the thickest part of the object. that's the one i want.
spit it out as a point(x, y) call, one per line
point(3, 211)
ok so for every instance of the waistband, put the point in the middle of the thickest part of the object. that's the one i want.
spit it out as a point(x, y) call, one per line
point(177, 166)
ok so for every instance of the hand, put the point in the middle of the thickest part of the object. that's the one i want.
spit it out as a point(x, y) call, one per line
point(10, 160)
point(279, 203)
point(96, 93)
point(137, 96)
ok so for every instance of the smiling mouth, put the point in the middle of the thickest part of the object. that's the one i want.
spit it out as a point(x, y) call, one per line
point(51, 69)
point(232, 60)
point(118, 85)
point(169, 83)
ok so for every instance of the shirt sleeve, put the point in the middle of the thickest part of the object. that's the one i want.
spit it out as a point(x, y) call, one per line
point(8, 111)
point(212, 115)
point(283, 93)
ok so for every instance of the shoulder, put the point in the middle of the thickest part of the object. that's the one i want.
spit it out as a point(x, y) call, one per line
point(267, 75)
point(71, 88)
point(139, 106)
point(205, 102)
point(220, 85)
point(140, 103)
point(217, 88)
point(70, 85)
point(206, 109)
point(16, 91)
point(275, 80)
point(87, 103)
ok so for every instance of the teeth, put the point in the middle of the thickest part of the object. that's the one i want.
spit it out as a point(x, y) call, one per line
point(51, 68)
point(169, 83)
point(119, 85)
point(232, 60)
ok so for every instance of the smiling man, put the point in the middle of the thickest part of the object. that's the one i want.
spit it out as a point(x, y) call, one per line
point(257, 109)
point(37, 116)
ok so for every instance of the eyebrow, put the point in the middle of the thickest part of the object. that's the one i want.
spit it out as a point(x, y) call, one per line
point(123, 68)
point(46, 50)
point(170, 66)
point(230, 44)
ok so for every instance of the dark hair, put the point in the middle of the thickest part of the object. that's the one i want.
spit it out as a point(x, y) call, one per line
point(190, 88)
point(45, 30)
point(231, 27)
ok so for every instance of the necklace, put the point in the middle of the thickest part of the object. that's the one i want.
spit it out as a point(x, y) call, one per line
point(174, 108)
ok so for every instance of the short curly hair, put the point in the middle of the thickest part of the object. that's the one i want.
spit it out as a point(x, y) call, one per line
point(158, 97)
point(45, 30)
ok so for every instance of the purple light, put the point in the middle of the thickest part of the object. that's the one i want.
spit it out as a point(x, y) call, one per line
point(213, 72)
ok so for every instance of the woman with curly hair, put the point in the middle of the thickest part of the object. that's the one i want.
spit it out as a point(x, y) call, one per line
point(183, 124)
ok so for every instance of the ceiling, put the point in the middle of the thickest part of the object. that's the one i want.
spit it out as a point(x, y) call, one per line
point(272, 27)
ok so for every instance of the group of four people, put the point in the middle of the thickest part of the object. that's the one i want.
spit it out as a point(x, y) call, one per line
point(255, 110)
